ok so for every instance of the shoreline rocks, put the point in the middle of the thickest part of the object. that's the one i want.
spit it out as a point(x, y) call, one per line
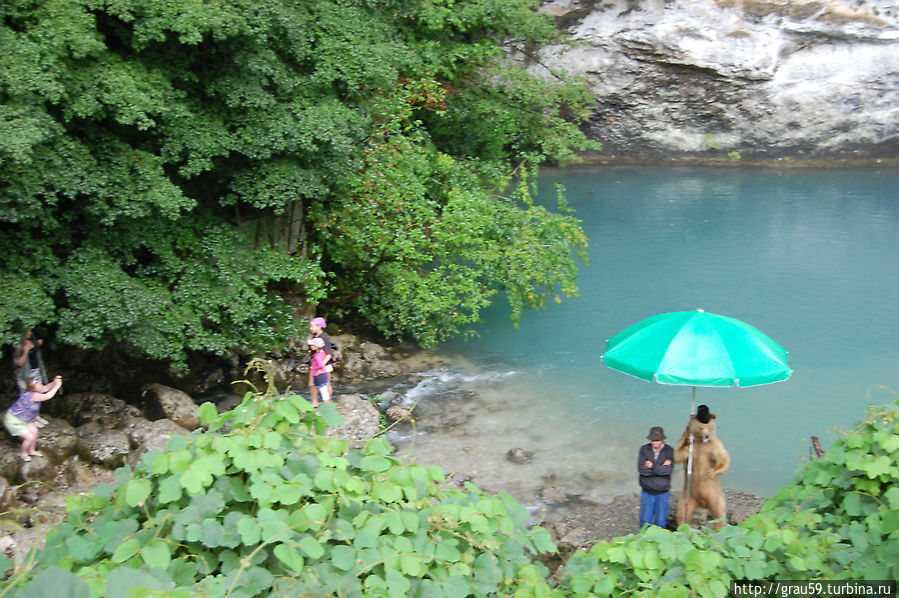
point(101, 432)
point(579, 524)
point(88, 436)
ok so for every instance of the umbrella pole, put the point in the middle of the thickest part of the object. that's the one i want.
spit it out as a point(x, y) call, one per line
point(686, 498)
point(689, 461)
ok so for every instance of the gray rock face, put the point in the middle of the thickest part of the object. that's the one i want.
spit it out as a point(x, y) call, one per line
point(100, 408)
point(759, 77)
point(58, 441)
point(363, 360)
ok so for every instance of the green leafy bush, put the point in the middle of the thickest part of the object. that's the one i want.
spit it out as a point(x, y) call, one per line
point(262, 504)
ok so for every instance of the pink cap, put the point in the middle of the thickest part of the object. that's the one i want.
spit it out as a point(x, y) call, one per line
point(320, 322)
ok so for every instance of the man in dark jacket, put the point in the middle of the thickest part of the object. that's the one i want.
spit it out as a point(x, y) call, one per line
point(655, 463)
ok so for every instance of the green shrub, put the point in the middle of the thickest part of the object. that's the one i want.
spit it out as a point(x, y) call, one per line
point(262, 504)
point(839, 519)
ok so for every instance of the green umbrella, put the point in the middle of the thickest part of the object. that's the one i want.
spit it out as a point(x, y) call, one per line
point(696, 348)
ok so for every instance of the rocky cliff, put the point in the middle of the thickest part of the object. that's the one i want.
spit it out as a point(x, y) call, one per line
point(764, 78)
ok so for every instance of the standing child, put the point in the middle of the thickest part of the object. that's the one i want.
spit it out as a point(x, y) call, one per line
point(317, 330)
point(19, 419)
point(319, 369)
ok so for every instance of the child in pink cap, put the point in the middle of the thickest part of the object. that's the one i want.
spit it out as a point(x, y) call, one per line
point(319, 369)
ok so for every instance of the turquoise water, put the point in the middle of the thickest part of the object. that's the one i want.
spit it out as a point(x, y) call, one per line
point(811, 258)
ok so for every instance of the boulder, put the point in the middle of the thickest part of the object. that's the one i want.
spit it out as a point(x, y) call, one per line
point(7, 545)
point(84, 407)
point(519, 455)
point(57, 440)
point(228, 403)
point(163, 402)
point(291, 370)
point(362, 360)
point(553, 495)
point(148, 436)
point(7, 496)
point(395, 413)
point(360, 417)
point(108, 448)
point(77, 474)
point(575, 538)
point(39, 469)
point(389, 397)
point(128, 422)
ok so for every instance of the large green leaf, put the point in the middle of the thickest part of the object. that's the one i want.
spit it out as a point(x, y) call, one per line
point(55, 582)
point(137, 491)
point(290, 556)
point(157, 553)
point(123, 581)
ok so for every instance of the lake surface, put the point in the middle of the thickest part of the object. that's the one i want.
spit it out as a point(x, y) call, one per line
point(810, 258)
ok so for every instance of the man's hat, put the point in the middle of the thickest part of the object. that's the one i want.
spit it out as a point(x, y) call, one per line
point(656, 433)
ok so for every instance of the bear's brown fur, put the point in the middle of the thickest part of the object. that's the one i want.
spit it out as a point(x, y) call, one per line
point(710, 460)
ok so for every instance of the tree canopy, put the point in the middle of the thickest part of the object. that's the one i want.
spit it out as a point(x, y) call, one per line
point(177, 176)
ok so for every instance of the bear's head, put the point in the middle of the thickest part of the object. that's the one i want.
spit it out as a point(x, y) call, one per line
point(702, 431)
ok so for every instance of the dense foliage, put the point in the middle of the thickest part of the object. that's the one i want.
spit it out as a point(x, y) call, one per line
point(263, 504)
point(178, 175)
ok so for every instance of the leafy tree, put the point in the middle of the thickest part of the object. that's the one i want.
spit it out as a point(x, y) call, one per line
point(175, 174)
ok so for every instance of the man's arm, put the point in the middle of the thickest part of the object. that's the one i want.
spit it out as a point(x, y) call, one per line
point(22, 352)
point(643, 457)
point(666, 456)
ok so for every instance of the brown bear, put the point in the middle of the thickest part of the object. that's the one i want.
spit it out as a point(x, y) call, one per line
point(710, 460)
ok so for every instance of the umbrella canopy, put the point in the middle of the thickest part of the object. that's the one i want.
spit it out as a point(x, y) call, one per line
point(696, 348)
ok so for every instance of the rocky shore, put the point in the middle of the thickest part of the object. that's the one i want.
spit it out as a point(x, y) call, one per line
point(92, 433)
